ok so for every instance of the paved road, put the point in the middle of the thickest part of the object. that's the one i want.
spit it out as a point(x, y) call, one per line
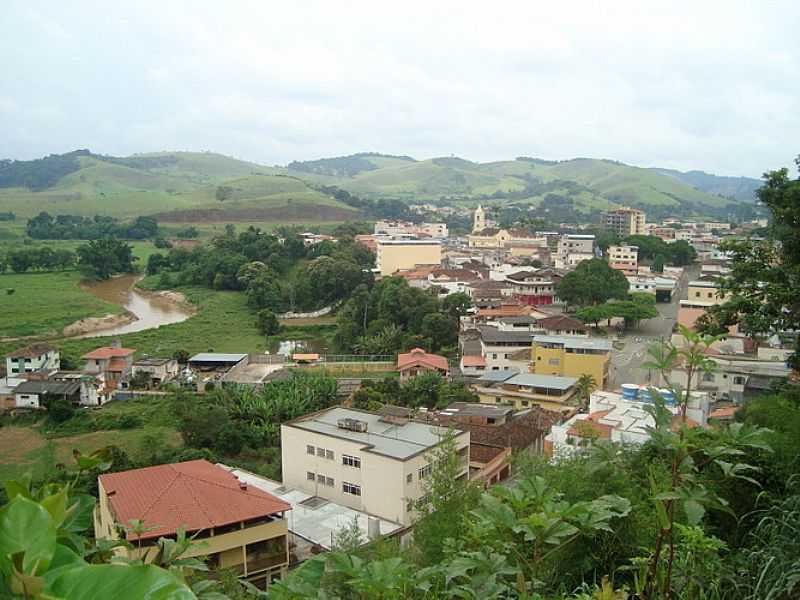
point(626, 363)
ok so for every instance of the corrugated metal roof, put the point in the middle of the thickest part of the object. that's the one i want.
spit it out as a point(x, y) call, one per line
point(543, 381)
point(497, 376)
point(216, 357)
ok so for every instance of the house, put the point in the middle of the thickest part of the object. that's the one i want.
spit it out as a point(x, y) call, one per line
point(396, 255)
point(369, 462)
point(113, 364)
point(570, 356)
point(157, 370)
point(562, 325)
point(411, 364)
point(36, 357)
point(233, 525)
point(621, 418)
point(497, 346)
point(472, 365)
point(37, 393)
point(451, 281)
point(572, 249)
point(534, 288)
point(524, 390)
point(735, 378)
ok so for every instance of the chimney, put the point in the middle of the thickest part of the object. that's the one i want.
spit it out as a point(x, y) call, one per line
point(243, 485)
point(116, 343)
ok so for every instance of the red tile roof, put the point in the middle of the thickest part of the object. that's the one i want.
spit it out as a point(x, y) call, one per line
point(726, 412)
point(418, 357)
point(194, 494)
point(561, 323)
point(473, 361)
point(108, 352)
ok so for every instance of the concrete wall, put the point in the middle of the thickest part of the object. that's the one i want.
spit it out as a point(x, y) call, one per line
point(393, 257)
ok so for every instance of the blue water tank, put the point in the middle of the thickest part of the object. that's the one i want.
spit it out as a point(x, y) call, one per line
point(667, 395)
point(644, 394)
point(630, 391)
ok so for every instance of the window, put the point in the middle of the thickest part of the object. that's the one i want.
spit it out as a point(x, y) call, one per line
point(321, 479)
point(697, 294)
point(554, 361)
point(309, 476)
point(321, 452)
point(738, 380)
point(410, 478)
point(329, 454)
point(329, 481)
point(494, 355)
point(708, 377)
point(351, 488)
point(351, 461)
point(310, 450)
point(424, 472)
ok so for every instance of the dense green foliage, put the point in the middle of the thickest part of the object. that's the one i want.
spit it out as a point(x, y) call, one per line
point(41, 173)
point(429, 390)
point(43, 258)
point(74, 227)
point(392, 316)
point(679, 253)
point(592, 282)
point(100, 259)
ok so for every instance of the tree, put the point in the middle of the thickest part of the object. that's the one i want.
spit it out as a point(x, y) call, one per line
point(765, 274)
point(592, 282)
point(223, 192)
point(268, 323)
point(682, 253)
point(457, 305)
point(348, 538)
point(100, 259)
point(442, 330)
point(585, 386)
point(595, 314)
point(634, 311)
point(658, 264)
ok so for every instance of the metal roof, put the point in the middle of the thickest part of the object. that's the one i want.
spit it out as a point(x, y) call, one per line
point(498, 376)
point(48, 387)
point(573, 342)
point(217, 357)
point(542, 381)
point(491, 335)
point(400, 441)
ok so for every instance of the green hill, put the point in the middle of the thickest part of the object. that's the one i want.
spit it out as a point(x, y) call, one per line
point(177, 187)
point(740, 188)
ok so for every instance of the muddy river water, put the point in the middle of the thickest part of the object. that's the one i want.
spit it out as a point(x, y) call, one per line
point(150, 310)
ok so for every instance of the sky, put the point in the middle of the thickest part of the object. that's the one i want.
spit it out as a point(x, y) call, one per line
point(687, 85)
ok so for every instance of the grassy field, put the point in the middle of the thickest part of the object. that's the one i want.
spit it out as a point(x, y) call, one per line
point(31, 448)
point(45, 303)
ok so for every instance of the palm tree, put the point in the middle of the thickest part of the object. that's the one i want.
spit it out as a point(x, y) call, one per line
point(585, 386)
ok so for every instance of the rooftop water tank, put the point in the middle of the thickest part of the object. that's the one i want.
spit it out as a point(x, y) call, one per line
point(630, 391)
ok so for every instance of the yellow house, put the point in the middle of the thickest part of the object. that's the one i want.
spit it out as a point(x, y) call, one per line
point(568, 356)
point(233, 525)
point(706, 289)
point(396, 255)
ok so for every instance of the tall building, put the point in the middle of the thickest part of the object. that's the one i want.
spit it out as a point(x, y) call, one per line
point(371, 462)
point(625, 221)
point(624, 258)
point(394, 255)
point(572, 249)
point(479, 219)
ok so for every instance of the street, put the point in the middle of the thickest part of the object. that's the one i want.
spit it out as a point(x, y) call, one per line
point(626, 363)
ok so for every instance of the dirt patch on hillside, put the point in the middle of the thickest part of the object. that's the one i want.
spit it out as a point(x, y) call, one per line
point(17, 442)
point(289, 212)
point(94, 324)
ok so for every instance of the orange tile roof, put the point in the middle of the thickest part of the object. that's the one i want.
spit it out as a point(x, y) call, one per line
point(726, 412)
point(117, 364)
point(108, 352)
point(473, 361)
point(194, 494)
point(418, 356)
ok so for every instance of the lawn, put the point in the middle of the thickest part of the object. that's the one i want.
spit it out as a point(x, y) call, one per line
point(29, 448)
point(45, 303)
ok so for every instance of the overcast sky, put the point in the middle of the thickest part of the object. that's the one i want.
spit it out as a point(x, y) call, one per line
point(700, 85)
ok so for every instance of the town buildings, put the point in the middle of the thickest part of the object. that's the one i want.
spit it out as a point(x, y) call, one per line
point(571, 356)
point(233, 525)
point(625, 221)
point(157, 370)
point(534, 288)
point(526, 390)
point(112, 364)
point(369, 462)
point(395, 255)
point(573, 249)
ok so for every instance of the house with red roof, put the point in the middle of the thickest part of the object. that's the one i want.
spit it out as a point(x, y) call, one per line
point(113, 364)
point(418, 361)
point(233, 525)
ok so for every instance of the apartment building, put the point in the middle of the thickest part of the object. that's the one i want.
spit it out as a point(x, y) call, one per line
point(396, 255)
point(625, 221)
point(572, 249)
point(624, 258)
point(498, 347)
point(534, 288)
point(233, 525)
point(367, 461)
point(32, 358)
point(571, 356)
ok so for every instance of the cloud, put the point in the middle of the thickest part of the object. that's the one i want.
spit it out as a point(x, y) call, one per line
point(708, 85)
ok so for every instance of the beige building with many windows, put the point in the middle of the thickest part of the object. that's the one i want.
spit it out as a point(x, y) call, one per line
point(395, 255)
point(624, 258)
point(625, 221)
point(376, 463)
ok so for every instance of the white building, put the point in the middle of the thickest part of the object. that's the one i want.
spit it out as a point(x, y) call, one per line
point(573, 249)
point(369, 462)
point(36, 357)
point(620, 418)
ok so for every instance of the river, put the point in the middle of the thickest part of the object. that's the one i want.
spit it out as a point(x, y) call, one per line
point(150, 310)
